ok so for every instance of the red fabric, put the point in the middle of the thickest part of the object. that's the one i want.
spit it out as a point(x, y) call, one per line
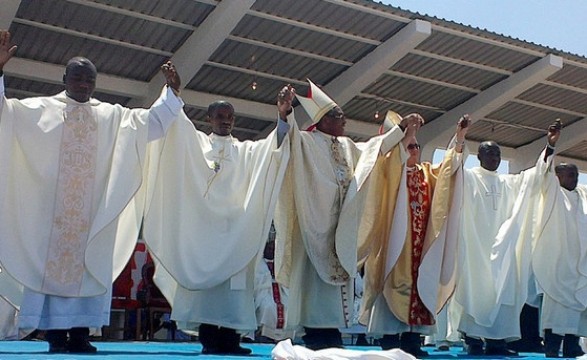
point(123, 294)
point(419, 206)
point(276, 296)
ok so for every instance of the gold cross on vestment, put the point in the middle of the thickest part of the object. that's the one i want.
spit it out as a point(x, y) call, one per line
point(494, 194)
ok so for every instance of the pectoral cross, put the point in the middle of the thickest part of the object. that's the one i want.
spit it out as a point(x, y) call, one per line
point(494, 194)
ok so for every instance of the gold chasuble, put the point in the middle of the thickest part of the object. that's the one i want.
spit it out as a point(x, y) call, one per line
point(402, 238)
point(374, 247)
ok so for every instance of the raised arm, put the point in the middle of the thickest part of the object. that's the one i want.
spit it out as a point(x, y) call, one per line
point(168, 106)
point(554, 132)
point(284, 101)
point(462, 128)
point(284, 109)
point(171, 76)
point(454, 157)
point(7, 50)
point(410, 125)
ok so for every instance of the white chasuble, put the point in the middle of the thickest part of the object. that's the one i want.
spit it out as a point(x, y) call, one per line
point(72, 215)
point(68, 175)
point(495, 249)
point(210, 206)
point(319, 220)
point(559, 260)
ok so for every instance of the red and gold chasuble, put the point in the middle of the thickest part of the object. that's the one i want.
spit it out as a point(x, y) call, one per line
point(407, 305)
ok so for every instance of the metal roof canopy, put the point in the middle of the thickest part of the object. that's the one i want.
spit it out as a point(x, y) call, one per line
point(368, 56)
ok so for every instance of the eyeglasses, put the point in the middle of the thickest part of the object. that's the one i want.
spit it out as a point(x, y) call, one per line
point(413, 146)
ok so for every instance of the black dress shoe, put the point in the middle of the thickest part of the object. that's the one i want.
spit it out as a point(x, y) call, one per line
point(571, 347)
point(238, 350)
point(475, 350)
point(81, 347)
point(551, 354)
point(416, 351)
point(500, 351)
point(210, 350)
point(57, 349)
point(316, 346)
point(573, 353)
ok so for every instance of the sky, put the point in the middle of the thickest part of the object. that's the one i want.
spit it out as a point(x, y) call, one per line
point(558, 24)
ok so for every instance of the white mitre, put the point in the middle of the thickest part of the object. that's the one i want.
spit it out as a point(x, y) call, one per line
point(317, 103)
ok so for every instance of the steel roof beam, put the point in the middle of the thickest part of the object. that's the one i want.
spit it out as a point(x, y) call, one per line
point(367, 70)
point(198, 48)
point(8, 13)
point(440, 130)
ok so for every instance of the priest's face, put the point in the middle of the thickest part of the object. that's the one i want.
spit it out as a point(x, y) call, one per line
point(413, 149)
point(489, 155)
point(222, 120)
point(80, 79)
point(333, 122)
point(568, 176)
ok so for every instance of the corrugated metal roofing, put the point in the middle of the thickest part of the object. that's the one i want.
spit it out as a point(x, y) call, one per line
point(275, 42)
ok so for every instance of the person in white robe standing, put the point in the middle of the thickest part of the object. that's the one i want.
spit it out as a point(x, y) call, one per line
point(560, 263)
point(495, 248)
point(320, 216)
point(208, 216)
point(70, 167)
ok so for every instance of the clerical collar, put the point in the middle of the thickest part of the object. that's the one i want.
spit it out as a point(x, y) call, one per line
point(217, 137)
point(326, 136)
point(488, 172)
point(62, 96)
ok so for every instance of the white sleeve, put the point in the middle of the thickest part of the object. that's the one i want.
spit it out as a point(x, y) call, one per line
point(391, 138)
point(163, 112)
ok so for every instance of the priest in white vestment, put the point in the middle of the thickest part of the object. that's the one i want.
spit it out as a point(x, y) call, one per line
point(210, 206)
point(560, 263)
point(70, 166)
point(497, 226)
point(320, 215)
point(410, 231)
